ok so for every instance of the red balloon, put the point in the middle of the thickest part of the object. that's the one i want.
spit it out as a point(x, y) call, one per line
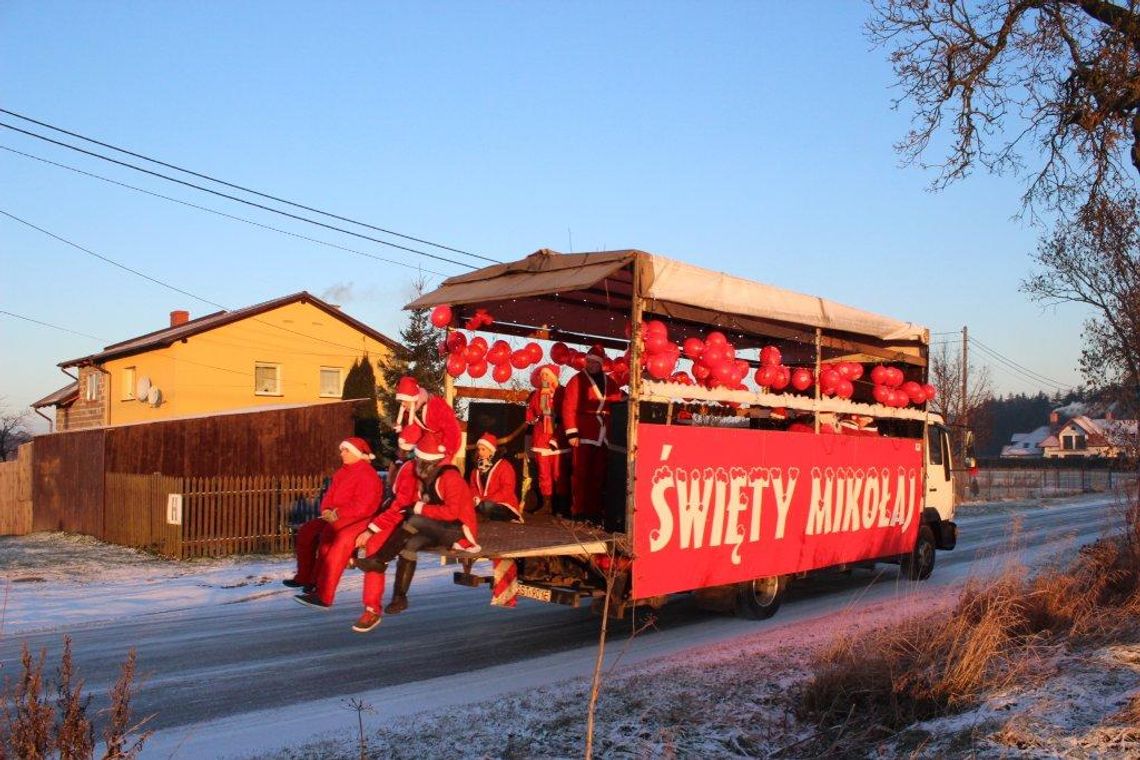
point(724, 372)
point(656, 327)
point(520, 359)
point(470, 354)
point(502, 373)
point(914, 392)
point(456, 365)
point(783, 377)
point(742, 368)
point(715, 338)
point(855, 371)
point(844, 388)
point(701, 372)
point(730, 352)
point(559, 353)
point(802, 379)
point(930, 391)
point(499, 353)
point(534, 351)
point(894, 377)
point(441, 315)
point(477, 368)
point(456, 342)
point(879, 374)
point(656, 343)
point(900, 397)
point(883, 395)
point(770, 356)
point(659, 366)
point(846, 370)
point(442, 349)
point(714, 354)
point(765, 376)
point(479, 343)
point(577, 360)
point(828, 379)
point(693, 348)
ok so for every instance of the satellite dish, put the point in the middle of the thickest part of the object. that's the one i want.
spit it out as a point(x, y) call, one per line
point(154, 396)
point(142, 388)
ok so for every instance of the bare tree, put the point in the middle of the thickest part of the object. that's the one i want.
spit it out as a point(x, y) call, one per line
point(946, 375)
point(1001, 78)
point(1094, 259)
point(13, 431)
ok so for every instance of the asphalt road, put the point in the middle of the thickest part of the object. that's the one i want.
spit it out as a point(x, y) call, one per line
point(212, 662)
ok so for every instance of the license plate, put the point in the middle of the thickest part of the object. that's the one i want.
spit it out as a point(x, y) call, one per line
point(532, 592)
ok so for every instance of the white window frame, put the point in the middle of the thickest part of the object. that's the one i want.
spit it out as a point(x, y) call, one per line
point(130, 379)
point(277, 371)
point(339, 382)
point(91, 385)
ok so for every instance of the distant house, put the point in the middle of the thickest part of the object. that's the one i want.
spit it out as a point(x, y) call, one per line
point(1085, 437)
point(1026, 445)
point(292, 350)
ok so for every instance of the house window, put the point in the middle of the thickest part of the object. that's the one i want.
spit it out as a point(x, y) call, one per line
point(91, 386)
point(332, 381)
point(128, 391)
point(267, 379)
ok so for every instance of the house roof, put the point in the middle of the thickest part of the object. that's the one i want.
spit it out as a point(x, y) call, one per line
point(170, 335)
point(63, 396)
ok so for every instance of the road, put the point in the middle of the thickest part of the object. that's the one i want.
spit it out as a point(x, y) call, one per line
point(213, 662)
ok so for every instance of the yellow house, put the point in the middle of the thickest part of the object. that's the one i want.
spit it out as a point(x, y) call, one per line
point(292, 350)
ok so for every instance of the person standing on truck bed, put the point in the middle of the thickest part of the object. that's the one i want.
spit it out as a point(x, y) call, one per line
point(353, 497)
point(493, 483)
point(548, 439)
point(443, 517)
point(431, 413)
point(585, 414)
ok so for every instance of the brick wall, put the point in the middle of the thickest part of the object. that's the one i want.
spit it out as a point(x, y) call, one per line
point(85, 413)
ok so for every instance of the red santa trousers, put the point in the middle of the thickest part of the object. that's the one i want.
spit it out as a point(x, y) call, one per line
point(374, 582)
point(307, 539)
point(335, 548)
point(588, 480)
point(553, 474)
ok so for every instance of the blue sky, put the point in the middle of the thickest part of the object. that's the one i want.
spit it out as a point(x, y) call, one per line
point(746, 137)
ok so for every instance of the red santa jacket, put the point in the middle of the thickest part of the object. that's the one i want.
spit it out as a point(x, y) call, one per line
point(546, 422)
point(496, 485)
point(405, 491)
point(448, 499)
point(354, 493)
point(586, 408)
point(435, 415)
point(850, 427)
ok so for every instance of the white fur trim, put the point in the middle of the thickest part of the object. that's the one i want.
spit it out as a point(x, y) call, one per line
point(429, 457)
point(419, 508)
point(356, 451)
point(571, 431)
point(484, 442)
point(468, 534)
point(473, 549)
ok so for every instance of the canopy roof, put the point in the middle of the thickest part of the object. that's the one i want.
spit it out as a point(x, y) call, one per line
point(602, 280)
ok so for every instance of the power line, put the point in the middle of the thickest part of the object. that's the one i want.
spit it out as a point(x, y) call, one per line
point(167, 285)
point(237, 199)
point(246, 189)
point(49, 324)
point(221, 213)
point(1015, 368)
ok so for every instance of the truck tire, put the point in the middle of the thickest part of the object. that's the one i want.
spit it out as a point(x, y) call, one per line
point(759, 599)
point(919, 564)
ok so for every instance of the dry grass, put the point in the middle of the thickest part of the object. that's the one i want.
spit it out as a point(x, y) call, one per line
point(1000, 633)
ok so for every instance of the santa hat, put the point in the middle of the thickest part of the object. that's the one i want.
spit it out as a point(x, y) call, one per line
point(357, 446)
point(779, 413)
point(407, 389)
point(409, 436)
point(596, 351)
point(429, 447)
point(489, 440)
point(536, 376)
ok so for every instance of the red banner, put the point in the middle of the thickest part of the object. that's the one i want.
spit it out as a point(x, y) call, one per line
point(717, 506)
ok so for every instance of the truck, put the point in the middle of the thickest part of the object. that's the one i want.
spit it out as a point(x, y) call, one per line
point(707, 491)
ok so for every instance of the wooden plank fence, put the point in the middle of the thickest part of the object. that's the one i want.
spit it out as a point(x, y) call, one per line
point(16, 493)
point(134, 512)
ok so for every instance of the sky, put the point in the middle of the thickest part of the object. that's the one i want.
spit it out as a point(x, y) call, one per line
point(748, 138)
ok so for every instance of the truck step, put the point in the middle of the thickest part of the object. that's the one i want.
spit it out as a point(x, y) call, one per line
point(470, 579)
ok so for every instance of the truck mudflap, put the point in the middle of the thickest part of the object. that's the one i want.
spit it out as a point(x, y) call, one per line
point(945, 534)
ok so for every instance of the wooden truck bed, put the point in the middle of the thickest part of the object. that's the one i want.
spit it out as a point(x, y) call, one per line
point(541, 535)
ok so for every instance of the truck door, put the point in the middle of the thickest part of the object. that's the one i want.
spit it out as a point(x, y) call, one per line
point(939, 484)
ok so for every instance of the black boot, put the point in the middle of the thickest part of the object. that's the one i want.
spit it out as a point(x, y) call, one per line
point(405, 569)
point(562, 506)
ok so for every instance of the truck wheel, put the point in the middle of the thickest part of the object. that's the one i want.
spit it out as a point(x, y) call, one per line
point(919, 564)
point(759, 599)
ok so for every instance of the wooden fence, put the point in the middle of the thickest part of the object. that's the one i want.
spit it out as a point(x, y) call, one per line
point(16, 493)
point(1024, 482)
point(208, 517)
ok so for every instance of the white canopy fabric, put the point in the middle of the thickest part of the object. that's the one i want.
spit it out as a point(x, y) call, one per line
point(677, 282)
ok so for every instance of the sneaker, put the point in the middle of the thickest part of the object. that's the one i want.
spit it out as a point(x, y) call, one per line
point(464, 546)
point(311, 600)
point(293, 583)
point(367, 621)
point(310, 589)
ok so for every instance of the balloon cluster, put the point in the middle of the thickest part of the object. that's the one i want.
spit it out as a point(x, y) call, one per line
point(475, 357)
point(838, 378)
point(891, 388)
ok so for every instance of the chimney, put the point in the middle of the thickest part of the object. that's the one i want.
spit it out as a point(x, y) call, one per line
point(179, 317)
point(1054, 418)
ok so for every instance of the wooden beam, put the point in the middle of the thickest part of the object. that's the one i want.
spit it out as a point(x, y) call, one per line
point(492, 394)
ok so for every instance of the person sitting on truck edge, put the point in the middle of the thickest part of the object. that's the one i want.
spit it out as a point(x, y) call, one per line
point(353, 497)
point(585, 412)
point(858, 424)
point(444, 516)
point(430, 412)
point(382, 528)
point(551, 458)
point(493, 483)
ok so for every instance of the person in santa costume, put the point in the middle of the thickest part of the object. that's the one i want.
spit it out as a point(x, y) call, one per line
point(444, 516)
point(548, 440)
point(352, 498)
point(493, 483)
point(585, 415)
point(431, 413)
point(862, 425)
point(381, 528)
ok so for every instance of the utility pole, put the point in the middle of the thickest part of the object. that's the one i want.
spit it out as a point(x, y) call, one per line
point(965, 374)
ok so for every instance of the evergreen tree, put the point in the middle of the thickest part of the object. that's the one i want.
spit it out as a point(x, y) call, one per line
point(360, 383)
